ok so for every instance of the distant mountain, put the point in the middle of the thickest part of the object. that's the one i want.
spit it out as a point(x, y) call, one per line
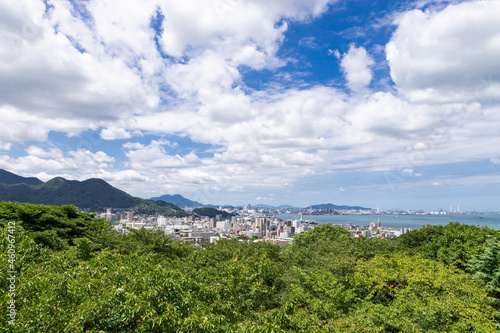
point(178, 200)
point(332, 206)
point(278, 207)
point(263, 206)
point(7, 177)
point(93, 194)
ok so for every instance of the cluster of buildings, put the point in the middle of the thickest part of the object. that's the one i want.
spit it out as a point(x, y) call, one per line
point(376, 230)
point(250, 226)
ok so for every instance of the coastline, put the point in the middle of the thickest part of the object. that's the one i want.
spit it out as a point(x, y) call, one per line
point(401, 221)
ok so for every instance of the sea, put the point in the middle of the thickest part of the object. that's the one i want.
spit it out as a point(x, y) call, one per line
point(401, 221)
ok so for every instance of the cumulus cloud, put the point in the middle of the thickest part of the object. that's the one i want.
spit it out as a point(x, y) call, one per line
point(79, 164)
point(56, 75)
point(449, 55)
point(229, 24)
point(356, 65)
point(53, 153)
point(75, 66)
point(114, 133)
point(155, 156)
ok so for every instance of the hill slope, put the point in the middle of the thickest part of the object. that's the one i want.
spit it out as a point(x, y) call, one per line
point(93, 194)
point(7, 177)
point(179, 200)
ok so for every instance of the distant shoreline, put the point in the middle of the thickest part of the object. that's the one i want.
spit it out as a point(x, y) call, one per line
point(402, 221)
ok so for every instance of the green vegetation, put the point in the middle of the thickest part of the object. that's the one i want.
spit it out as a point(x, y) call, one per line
point(92, 194)
point(212, 212)
point(151, 207)
point(7, 177)
point(74, 274)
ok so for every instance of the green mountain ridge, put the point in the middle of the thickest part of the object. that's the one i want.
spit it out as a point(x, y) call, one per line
point(7, 177)
point(179, 200)
point(92, 194)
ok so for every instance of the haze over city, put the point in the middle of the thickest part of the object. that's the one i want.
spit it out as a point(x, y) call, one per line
point(390, 104)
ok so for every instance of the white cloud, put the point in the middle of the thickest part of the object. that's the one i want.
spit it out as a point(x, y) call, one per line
point(133, 145)
point(356, 65)
point(57, 69)
point(154, 156)
point(101, 70)
point(5, 146)
point(80, 164)
point(19, 126)
point(230, 24)
point(301, 158)
point(449, 55)
point(53, 153)
point(114, 133)
point(71, 66)
point(420, 146)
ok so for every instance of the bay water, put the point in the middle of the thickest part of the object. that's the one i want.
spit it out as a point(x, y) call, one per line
point(402, 221)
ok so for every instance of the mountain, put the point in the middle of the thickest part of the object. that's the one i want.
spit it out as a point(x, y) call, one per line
point(279, 207)
point(212, 212)
point(7, 177)
point(287, 207)
point(263, 206)
point(93, 194)
point(332, 206)
point(178, 200)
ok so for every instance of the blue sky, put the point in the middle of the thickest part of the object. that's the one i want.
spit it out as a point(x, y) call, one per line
point(388, 103)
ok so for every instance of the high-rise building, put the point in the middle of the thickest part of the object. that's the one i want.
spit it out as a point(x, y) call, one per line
point(262, 224)
point(162, 221)
point(130, 215)
point(109, 215)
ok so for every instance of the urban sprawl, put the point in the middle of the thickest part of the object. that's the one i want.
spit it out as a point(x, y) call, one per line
point(248, 224)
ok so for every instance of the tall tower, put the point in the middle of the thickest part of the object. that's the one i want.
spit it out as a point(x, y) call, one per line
point(379, 223)
point(262, 224)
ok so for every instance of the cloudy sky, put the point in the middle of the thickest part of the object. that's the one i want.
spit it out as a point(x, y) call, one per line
point(389, 103)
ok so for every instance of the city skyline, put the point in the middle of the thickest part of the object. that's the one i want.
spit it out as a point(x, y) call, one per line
point(390, 104)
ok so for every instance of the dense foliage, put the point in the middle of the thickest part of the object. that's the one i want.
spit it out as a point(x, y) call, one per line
point(92, 194)
point(212, 212)
point(74, 274)
point(152, 207)
point(7, 177)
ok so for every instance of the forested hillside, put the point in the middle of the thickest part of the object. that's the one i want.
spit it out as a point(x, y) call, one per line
point(74, 274)
point(91, 194)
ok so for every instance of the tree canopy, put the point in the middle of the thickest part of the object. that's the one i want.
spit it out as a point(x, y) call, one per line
point(75, 274)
